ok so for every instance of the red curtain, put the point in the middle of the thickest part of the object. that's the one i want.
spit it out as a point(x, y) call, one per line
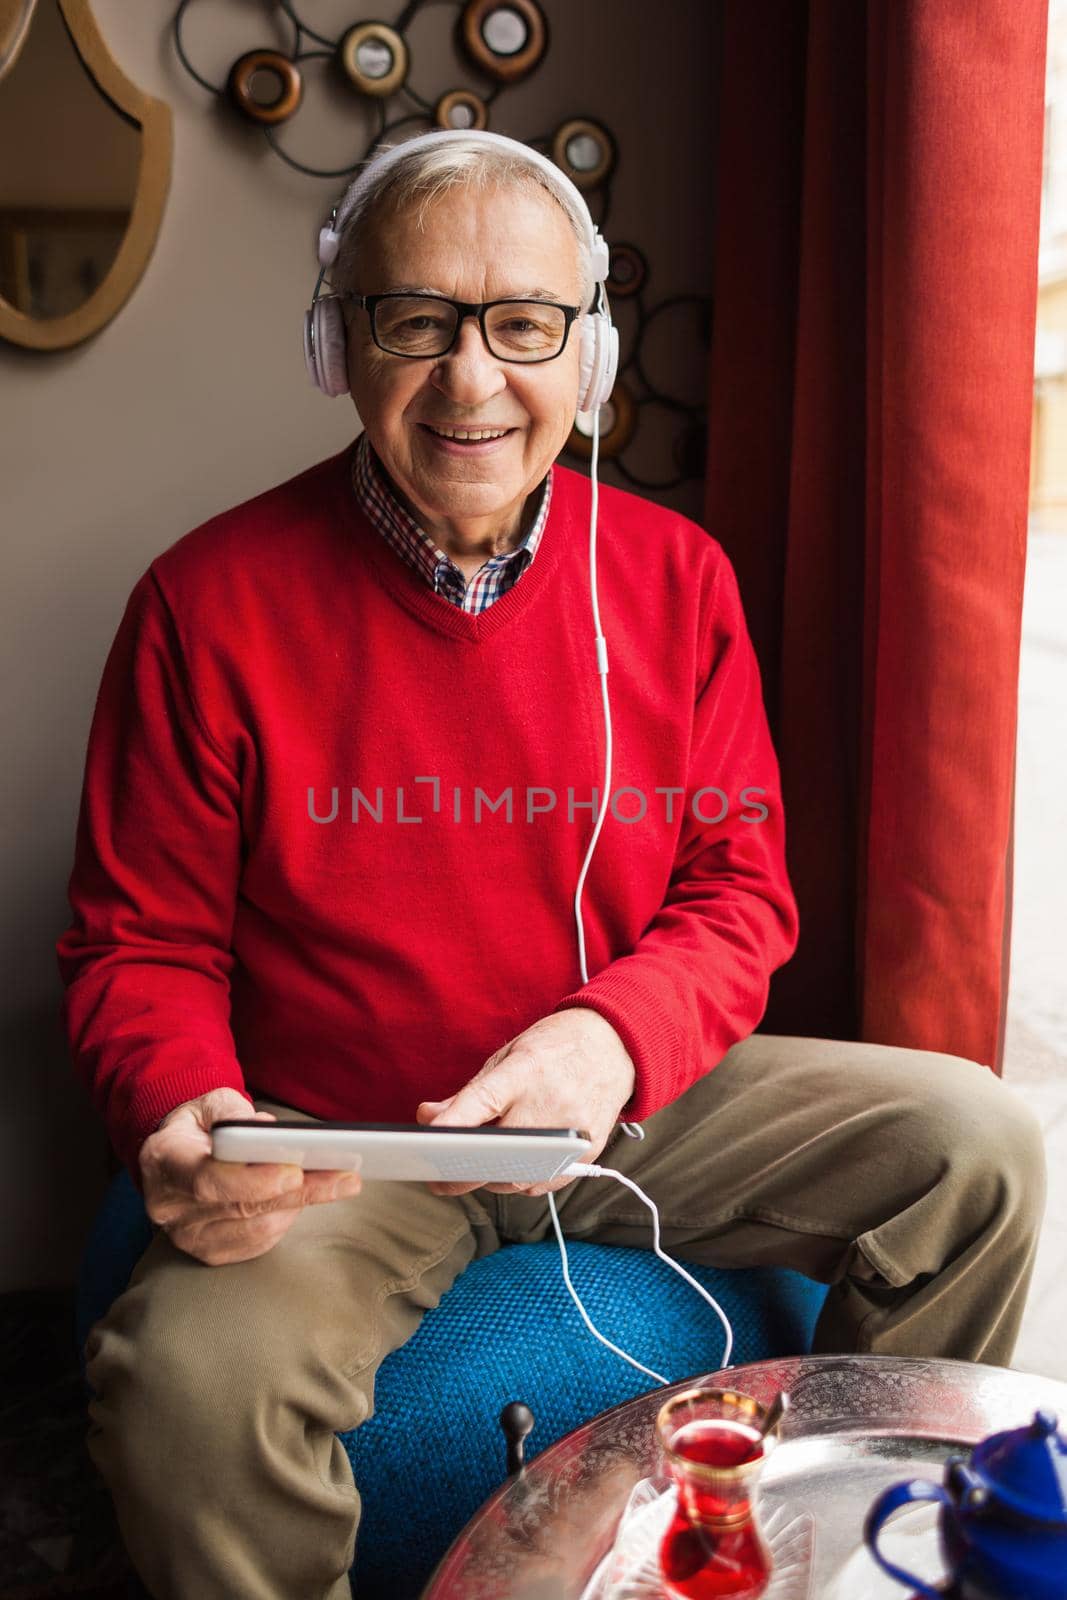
point(871, 381)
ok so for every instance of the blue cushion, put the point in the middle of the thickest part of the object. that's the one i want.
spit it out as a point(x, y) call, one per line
point(506, 1330)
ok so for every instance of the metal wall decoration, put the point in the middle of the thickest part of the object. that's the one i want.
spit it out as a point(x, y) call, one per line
point(504, 40)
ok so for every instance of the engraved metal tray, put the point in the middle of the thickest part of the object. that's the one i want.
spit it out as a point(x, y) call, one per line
point(856, 1425)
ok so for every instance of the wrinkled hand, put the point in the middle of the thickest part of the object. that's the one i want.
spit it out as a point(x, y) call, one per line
point(569, 1070)
point(225, 1211)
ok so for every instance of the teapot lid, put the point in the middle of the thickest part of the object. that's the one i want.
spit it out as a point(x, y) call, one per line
point(1026, 1468)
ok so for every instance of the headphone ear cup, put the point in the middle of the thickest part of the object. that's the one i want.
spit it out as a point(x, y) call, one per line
point(598, 361)
point(611, 367)
point(309, 347)
point(325, 346)
point(587, 349)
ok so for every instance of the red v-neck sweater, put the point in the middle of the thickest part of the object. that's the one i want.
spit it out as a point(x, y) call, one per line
point(295, 869)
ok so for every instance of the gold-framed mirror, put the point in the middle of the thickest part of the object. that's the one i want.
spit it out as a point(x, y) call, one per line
point(81, 204)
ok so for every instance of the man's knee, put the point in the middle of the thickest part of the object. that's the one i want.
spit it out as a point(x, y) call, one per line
point(962, 1125)
point(928, 1123)
point(155, 1392)
point(939, 1106)
point(1007, 1136)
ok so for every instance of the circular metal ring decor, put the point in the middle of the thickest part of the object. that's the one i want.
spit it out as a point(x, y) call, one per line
point(627, 270)
point(506, 38)
point(374, 58)
point(585, 150)
point(618, 419)
point(265, 64)
point(461, 108)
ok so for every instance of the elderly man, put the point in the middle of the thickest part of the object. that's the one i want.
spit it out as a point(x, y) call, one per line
point(340, 780)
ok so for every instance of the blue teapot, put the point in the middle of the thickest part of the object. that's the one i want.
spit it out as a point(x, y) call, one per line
point(1003, 1520)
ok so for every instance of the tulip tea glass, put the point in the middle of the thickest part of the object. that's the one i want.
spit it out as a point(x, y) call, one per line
point(714, 1447)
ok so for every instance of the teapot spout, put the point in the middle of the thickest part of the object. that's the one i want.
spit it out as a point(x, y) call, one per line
point(964, 1485)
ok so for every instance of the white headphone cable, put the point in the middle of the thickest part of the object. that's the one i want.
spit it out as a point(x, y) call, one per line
point(634, 1129)
point(583, 1169)
point(589, 1169)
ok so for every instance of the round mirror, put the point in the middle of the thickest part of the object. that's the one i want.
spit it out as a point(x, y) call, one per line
point(583, 152)
point(374, 58)
point(80, 209)
point(504, 31)
point(460, 108)
point(507, 40)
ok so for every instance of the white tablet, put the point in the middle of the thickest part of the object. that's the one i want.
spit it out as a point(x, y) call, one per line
point(405, 1150)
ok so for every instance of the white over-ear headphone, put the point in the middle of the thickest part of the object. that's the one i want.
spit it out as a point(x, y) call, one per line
point(324, 328)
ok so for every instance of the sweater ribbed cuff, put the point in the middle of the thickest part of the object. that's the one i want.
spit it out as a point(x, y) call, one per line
point(152, 1101)
point(647, 1031)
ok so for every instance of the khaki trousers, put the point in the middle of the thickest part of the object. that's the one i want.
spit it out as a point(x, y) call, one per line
point(911, 1182)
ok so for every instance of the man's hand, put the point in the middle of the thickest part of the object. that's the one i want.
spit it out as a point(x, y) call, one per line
point(225, 1211)
point(569, 1070)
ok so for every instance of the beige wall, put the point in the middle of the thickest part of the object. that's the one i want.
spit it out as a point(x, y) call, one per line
point(194, 398)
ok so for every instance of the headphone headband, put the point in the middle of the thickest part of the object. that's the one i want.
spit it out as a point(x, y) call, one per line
point(369, 178)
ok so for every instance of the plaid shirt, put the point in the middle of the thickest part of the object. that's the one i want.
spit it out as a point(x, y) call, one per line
point(413, 545)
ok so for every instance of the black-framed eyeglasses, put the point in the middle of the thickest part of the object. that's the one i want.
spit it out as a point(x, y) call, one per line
point(417, 326)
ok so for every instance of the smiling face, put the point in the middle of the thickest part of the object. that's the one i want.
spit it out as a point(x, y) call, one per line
point(474, 245)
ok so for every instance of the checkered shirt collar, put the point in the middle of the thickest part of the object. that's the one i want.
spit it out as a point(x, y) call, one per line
point(415, 546)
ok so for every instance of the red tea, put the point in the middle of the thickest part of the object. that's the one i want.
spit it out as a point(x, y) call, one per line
point(712, 1547)
point(703, 1564)
point(715, 1443)
point(722, 1445)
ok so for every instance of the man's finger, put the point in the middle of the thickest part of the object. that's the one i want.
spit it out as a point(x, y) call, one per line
point(221, 1182)
point(426, 1110)
point(318, 1188)
point(227, 1182)
point(478, 1102)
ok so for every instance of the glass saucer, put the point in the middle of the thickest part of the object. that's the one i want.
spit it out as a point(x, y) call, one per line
point(631, 1571)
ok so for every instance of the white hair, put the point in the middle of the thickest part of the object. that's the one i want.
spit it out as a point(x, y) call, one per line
point(428, 173)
